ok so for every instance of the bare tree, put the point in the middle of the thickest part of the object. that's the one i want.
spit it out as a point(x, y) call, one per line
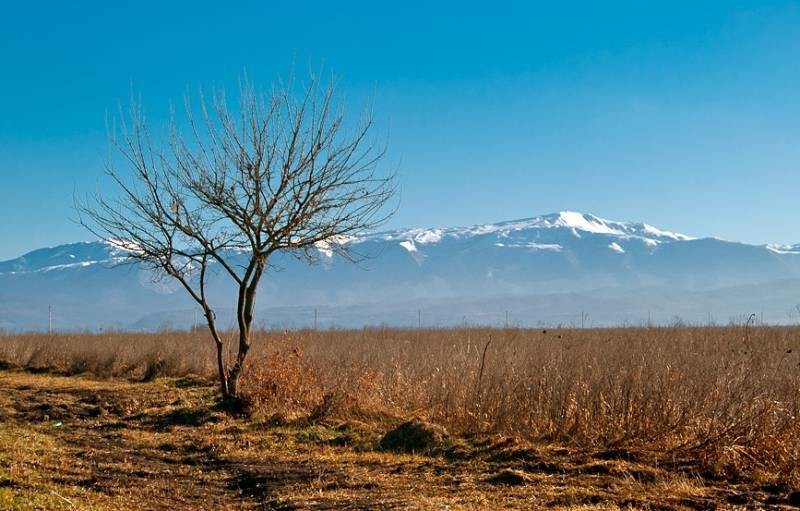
point(280, 173)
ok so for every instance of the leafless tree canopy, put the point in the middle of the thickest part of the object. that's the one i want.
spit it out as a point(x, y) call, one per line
point(280, 172)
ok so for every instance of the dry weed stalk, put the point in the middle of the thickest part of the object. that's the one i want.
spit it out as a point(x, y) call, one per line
point(694, 393)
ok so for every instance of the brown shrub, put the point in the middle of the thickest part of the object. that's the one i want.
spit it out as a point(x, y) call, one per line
point(279, 383)
point(350, 392)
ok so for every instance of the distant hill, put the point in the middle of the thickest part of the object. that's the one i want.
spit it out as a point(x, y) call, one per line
point(565, 268)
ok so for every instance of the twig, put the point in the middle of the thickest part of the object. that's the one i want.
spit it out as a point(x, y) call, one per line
point(62, 498)
point(480, 373)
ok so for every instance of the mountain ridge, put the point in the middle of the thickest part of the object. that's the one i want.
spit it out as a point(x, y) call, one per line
point(70, 254)
point(526, 266)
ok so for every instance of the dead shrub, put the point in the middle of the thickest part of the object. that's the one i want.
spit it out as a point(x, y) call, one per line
point(280, 383)
point(350, 392)
point(159, 365)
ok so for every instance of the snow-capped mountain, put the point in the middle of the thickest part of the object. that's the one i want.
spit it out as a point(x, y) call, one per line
point(551, 269)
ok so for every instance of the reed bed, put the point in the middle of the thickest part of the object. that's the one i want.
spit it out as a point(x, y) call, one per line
point(727, 398)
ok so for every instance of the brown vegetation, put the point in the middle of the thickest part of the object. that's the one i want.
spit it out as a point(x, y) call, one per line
point(722, 403)
point(85, 444)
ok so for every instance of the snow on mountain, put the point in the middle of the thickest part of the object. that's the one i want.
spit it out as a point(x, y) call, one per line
point(566, 221)
point(62, 257)
point(784, 249)
point(616, 248)
point(511, 234)
point(625, 269)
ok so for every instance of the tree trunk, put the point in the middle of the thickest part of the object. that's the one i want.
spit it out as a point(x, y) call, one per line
point(222, 373)
point(247, 299)
point(236, 370)
point(241, 356)
point(223, 378)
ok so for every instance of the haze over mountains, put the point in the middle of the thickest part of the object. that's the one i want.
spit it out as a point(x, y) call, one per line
point(560, 269)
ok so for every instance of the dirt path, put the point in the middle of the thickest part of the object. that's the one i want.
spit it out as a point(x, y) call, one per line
point(75, 443)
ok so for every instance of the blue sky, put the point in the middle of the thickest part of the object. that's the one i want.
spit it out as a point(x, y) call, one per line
point(682, 114)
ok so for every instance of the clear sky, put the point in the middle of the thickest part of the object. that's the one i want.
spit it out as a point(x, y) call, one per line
point(685, 115)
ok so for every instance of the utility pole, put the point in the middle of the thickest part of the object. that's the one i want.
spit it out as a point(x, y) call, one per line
point(50, 319)
point(419, 319)
point(506, 319)
point(315, 318)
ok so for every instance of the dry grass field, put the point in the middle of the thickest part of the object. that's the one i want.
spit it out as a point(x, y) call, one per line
point(660, 418)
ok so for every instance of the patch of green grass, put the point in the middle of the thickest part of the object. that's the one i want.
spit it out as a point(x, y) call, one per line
point(343, 435)
point(355, 437)
point(190, 381)
point(315, 435)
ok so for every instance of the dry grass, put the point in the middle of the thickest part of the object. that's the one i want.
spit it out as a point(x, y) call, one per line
point(720, 402)
point(87, 444)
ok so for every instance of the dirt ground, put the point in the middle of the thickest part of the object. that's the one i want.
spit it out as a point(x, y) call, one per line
point(79, 443)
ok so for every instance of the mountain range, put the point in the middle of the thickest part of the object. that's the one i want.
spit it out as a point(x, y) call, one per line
point(566, 268)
